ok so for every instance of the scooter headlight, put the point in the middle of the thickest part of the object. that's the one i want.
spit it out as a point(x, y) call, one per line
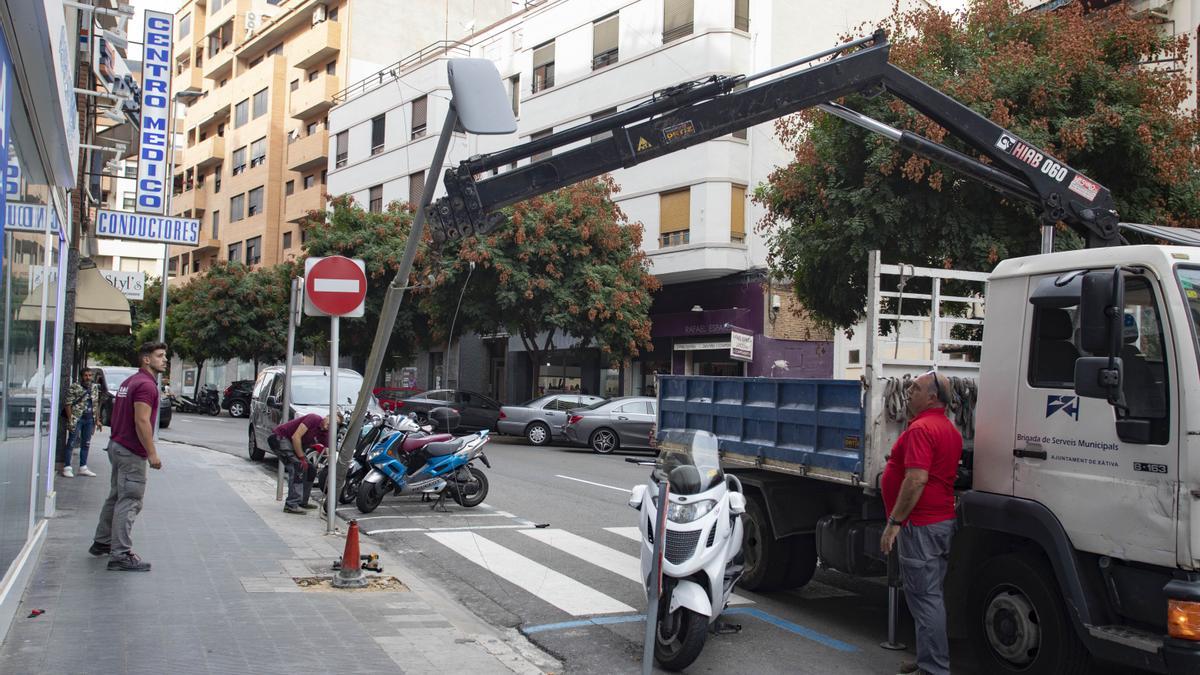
point(375, 452)
point(686, 513)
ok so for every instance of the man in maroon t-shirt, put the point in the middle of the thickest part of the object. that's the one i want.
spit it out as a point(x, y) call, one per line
point(300, 433)
point(918, 493)
point(130, 449)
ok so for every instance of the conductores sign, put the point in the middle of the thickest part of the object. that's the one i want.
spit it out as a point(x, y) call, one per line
point(155, 132)
point(164, 229)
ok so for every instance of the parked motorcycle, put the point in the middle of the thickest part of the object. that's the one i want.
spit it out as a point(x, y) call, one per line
point(207, 402)
point(702, 556)
point(431, 468)
point(415, 436)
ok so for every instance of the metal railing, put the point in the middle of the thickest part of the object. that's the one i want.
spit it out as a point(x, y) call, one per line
point(394, 71)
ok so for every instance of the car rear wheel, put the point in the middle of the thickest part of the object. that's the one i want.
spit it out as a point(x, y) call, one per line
point(256, 453)
point(538, 433)
point(605, 441)
point(238, 408)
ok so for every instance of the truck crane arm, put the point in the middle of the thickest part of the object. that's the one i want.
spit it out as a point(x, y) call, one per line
point(694, 112)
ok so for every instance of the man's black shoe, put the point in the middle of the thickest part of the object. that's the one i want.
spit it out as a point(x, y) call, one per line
point(129, 563)
point(99, 549)
point(307, 505)
point(293, 509)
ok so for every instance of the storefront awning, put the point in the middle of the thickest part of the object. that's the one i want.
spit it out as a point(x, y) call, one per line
point(98, 304)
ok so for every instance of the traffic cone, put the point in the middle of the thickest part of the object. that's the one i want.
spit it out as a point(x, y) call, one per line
point(350, 574)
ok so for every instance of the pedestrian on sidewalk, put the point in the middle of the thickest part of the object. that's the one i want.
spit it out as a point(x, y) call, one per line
point(82, 410)
point(300, 434)
point(131, 448)
point(918, 493)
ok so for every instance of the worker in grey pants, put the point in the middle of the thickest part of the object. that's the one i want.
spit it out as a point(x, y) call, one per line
point(127, 488)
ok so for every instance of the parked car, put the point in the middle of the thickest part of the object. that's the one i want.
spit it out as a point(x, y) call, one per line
point(476, 411)
point(236, 398)
point(611, 425)
point(388, 396)
point(310, 394)
point(113, 377)
point(542, 419)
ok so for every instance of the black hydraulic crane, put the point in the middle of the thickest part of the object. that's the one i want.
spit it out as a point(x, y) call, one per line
point(694, 112)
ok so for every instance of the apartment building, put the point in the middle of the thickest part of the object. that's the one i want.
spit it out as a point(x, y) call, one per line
point(566, 62)
point(261, 76)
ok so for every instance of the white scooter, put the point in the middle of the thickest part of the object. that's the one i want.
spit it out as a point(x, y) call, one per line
point(702, 557)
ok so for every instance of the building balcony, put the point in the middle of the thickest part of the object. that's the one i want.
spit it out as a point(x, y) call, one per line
point(188, 202)
point(207, 152)
point(318, 45)
point(297, 205)
point(210, 109)
point(313, 98)
point(192, 78)
point(219, 65)
point(309, 152)
point(696, 262)
point(207, 244)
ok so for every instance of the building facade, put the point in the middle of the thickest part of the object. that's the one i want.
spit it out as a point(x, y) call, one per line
point(39, 155)
point(260, 77)
point(566, 62)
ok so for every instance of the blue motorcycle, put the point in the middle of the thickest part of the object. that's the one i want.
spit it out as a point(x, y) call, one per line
point(429, 469)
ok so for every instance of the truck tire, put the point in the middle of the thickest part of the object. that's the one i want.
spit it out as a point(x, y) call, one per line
point(804, 560)
point(768, 559)
point(1018, 620)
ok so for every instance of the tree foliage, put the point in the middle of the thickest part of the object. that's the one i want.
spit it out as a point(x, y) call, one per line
point(567, 262)
point(1075, 84)
point(379, 239)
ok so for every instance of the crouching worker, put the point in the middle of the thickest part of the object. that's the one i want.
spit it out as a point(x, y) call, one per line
point(288, 441)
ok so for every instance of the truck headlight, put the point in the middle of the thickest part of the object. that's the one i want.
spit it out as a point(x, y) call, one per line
point(1183, 619)
point(686, 513)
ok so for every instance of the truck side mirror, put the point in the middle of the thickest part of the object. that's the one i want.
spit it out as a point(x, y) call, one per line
point(1099, 377)
point(1101, 312)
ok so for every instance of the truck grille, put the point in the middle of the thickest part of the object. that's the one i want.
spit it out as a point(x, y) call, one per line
point(681, 545)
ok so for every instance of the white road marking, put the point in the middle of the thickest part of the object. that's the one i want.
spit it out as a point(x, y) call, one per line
point(555, 588)
point(600, 555)
point(627, 532)
point(450, 529)
point(580, 480)
point(335, 285)
point(498, 514)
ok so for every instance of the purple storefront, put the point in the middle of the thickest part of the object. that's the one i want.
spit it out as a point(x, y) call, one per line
point(722, 327)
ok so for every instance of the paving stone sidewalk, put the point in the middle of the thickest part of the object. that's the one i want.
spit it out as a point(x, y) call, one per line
point(221, 596)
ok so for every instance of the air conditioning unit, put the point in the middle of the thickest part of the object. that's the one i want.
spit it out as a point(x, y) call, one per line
point(318, 14)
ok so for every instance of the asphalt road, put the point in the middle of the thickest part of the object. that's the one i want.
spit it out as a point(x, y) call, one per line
point(222, 433)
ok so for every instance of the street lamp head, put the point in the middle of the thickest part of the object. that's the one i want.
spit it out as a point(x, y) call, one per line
point(479, 98)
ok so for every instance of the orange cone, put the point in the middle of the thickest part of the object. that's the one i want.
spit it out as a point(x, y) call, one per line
point(350, 574)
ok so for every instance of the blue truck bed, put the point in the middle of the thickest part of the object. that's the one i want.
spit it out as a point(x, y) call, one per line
point(809, 423)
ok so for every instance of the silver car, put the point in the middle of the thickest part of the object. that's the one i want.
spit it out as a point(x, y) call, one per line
point(614, 424)
point(541, 420)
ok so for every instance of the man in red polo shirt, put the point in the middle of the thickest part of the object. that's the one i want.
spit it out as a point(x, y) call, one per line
point(918, 493)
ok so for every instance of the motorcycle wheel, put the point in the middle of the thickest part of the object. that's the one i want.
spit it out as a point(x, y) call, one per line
point(349, 492)
point(470, 493)
point(369, 497)
point(679, 637)
point(214, 408)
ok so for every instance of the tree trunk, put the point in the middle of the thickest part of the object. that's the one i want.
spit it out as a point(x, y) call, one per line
point(67, 358)
point(199, 379)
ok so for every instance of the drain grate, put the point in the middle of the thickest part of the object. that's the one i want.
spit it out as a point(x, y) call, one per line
point(375, 584)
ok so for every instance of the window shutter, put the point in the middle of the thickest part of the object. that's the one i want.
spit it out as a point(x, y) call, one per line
point(544, 54)
point(604, 35)
point(677, 19)
point(416, 187)
point(737, 213)
point(674, 211)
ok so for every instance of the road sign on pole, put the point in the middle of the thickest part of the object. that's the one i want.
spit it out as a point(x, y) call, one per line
point(334, 286)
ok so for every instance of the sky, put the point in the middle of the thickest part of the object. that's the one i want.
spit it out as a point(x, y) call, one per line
point(137, 23)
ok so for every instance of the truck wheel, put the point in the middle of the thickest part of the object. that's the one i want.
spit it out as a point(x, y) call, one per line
point(1019, 622)
point(767, 559)
point(804, 560)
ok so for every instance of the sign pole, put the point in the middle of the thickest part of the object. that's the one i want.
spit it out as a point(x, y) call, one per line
point(162, 301)
point(331, 449)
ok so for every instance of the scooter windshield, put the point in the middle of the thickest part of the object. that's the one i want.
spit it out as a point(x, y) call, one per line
point(688, 460)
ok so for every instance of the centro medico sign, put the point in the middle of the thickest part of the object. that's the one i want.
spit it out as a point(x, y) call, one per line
point(155, 133)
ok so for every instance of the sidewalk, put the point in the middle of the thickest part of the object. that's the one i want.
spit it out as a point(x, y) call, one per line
point(221, 598)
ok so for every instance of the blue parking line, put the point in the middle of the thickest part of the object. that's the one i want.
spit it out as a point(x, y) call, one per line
point(832, 643)
point(794, 628)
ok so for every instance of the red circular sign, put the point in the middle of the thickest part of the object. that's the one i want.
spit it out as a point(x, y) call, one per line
point(336, 285)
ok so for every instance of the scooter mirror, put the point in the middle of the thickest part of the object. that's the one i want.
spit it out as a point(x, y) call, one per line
point(737, 503)
point(636, 496)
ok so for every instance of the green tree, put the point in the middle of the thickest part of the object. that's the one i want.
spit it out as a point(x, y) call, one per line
point(1070, 82)
point(567, 262)
point(379, 239)
point(213, 316)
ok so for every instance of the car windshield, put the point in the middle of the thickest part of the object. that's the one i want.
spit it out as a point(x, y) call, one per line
point(313, 389)
point(597, 404)
point(689, 460)
point(113, 377)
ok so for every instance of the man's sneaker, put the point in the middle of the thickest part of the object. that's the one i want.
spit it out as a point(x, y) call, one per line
point(99, 549)
point(293, 509)
point(307, 505)
point(84, 471)
point(909, 668)
point(67, 472)
point(128, 563)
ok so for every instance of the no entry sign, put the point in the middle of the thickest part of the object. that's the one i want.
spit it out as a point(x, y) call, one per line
point(334, 286)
